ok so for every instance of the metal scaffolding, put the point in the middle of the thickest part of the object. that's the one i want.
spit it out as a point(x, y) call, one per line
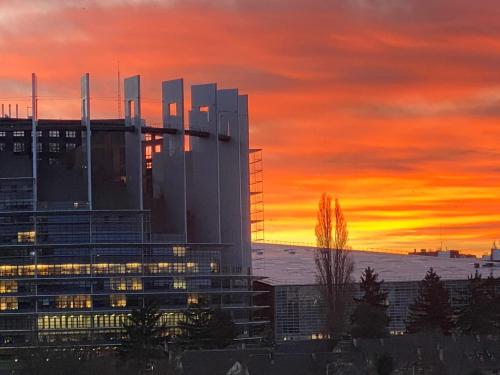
point(256, 194)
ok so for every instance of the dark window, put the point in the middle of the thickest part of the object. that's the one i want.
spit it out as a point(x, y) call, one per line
point(54, 147)
point(18, 147)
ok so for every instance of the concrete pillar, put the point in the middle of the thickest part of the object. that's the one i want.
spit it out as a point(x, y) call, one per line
point(133, 141)
point(203, 216)
point(169, 166)
point(85, 98)
point(245, 181)
point(34, 123)
point(230, 177)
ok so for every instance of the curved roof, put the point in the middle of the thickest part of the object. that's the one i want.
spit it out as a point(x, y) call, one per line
point(294, 265)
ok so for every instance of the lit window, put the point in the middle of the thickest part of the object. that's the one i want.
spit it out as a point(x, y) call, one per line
point(39, 147)
point(18, 147)
point(157, 148)
point(179, 251)
point(2, 134)
point(2, 146)
point(23, 237)
point(54, 133)
point(192, 299)
point(118, 284)
point(18, 133)
point(161, 268)
point(148, 152)
point(179, 267)
point(133, 267)
point(38, 133)
point(135, 284)
point(8, 303)
point(214, 267)
point(192, 267)
point(118, 300)
point(70, 134)
point(73, 302)
point(126, 284)
point(8, 286)
point(54, 147)
point(179, 283)
point(70, 146)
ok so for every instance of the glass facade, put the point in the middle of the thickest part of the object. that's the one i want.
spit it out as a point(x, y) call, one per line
point(71, 275)
point(299, 313)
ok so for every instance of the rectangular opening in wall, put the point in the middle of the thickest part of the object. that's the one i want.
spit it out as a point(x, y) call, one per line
point(131, 108)
point(204, 109)
point(172, 109)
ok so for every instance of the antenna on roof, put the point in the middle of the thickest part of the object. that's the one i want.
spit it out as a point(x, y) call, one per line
point(441, 235)
point(119, 96)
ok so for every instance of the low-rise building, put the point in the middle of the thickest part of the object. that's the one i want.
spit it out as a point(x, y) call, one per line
point(293, 294)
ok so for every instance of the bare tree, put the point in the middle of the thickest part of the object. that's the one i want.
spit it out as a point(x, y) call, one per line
point(333, 263)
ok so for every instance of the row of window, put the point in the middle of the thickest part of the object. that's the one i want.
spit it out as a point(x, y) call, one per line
point(18, 147)
point(123, 284)
point(52, 133)
point(73, 302)
point(85, 301)
point(98, 321)
point(98, 269)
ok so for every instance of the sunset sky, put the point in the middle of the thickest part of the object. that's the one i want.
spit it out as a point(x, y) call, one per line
point(393, 106)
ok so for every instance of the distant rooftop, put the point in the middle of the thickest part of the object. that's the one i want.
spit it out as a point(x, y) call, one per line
point(294, 265)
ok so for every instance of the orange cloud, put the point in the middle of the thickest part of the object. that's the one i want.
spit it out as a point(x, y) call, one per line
point(393, 107)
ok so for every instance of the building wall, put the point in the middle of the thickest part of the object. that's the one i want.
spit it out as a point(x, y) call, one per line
point(300, 315)
point(246, 256)
point(203, 190)
point(230, 177)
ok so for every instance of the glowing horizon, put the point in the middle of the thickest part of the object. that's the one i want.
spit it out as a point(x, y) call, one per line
point(393, 108)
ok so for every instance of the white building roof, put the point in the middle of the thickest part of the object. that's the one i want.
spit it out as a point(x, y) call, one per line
point(294, 265)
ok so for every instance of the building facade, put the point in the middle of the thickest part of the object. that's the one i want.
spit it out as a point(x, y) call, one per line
point(293, 295)
point(100, 217)
point(297, 311)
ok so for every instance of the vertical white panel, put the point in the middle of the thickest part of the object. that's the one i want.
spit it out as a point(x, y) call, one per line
point(85, 98)
point(133, 140)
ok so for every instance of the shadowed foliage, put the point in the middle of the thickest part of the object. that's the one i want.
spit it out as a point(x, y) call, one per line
point(144, 336)
point(431, 311)
point(369, 318)
point(206, 328)
point(480, 312)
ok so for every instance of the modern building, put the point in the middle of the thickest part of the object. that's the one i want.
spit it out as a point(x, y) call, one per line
point(98, 217)
point(293, 294)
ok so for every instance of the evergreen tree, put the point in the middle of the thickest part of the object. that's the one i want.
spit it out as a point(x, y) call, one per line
point(369, 318)
point(431, 311)
point(206, 328)
point(480, 312)
point(384, 364)
point(144, 336)
point(372, 288)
